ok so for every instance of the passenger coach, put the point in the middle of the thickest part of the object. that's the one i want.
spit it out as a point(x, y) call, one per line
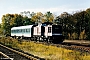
point(21, 31)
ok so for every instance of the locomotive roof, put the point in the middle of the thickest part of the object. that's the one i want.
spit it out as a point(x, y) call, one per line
point(46, 23)
point(22, 27)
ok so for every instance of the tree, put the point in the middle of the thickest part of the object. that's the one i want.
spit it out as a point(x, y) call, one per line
point(58, 20)
point(82, 19)
point(9, 21)
point(1, 30)
point(88, 27)
point(6, 20)
point(37, 17)
point(66, 23)
point(49, 17)
point(27, 21)
point(18, 20)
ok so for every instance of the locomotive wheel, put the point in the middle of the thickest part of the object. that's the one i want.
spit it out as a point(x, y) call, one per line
point(47, 40)
point(40, 39)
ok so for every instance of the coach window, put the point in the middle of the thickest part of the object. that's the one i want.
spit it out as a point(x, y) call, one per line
point(49, 29)
point(11, 31)
point(23, 30)
point(28, 30)
point(16, 31)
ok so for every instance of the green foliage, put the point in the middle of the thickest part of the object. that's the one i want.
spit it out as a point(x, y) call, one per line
point(6, 20)
point(27, 21)
point(18, 21)
point(49, 17)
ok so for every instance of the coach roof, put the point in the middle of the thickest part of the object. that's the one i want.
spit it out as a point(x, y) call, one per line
point(21, 27)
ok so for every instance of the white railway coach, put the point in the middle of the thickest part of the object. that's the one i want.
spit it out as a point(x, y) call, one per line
point(21, 31)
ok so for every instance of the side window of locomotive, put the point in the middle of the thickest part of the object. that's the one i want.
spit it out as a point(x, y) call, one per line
point(49, 29)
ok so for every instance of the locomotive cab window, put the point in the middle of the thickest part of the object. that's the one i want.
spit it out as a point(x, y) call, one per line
point(49, 29)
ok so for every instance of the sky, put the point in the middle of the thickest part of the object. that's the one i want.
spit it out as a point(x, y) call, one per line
point(54, 6)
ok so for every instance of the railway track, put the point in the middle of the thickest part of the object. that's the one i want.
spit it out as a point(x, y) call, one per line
point(75, 47)
point(82, 47)
point(16, 55)
point(4, 57)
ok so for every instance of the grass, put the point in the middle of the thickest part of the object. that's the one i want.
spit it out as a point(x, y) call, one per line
point(47, 52)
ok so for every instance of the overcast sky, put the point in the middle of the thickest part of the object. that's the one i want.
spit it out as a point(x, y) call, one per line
point(55, 6)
